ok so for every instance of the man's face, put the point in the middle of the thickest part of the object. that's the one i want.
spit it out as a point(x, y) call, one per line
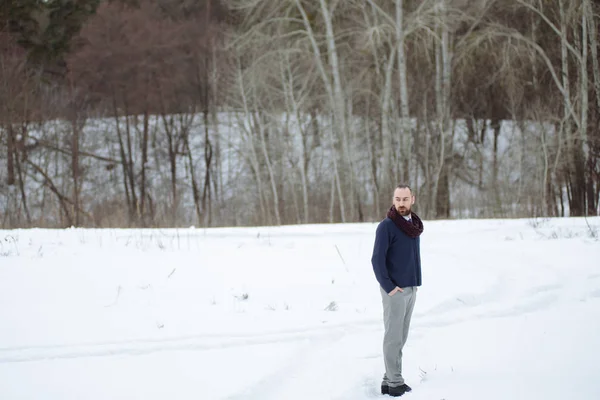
point(403, 200)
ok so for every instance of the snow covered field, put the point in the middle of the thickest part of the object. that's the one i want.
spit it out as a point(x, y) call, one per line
point(509, 309)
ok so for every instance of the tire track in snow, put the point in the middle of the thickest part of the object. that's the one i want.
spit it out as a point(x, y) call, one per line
point(337, 367)
point(533, 300)
point(189, 343)
point(274, 383)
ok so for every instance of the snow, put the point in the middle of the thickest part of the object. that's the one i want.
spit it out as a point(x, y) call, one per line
point(508, 310)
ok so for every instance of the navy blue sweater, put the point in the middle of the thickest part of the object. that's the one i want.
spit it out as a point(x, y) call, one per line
point(396, 257)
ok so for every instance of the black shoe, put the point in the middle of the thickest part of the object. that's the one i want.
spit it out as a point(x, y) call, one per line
point(385, 389)
point(397, 391)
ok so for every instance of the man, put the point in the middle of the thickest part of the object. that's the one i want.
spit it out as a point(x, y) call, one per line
point(397, 265)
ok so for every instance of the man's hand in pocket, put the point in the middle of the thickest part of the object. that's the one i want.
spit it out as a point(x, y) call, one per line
point(396, 290)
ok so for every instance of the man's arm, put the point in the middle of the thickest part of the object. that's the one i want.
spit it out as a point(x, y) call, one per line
point(382, 243)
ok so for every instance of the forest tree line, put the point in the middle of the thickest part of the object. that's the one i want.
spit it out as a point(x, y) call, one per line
point(162, 113)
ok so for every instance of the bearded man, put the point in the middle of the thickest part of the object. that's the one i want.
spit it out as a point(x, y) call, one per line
point(396, 262)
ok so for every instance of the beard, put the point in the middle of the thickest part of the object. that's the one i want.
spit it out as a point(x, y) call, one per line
point(404, 211)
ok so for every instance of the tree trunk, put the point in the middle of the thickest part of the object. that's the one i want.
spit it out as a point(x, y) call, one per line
point(575, 206)
point(594, 143)
point(334, 99)
point(194, 183)
point(496, 126)
point(584, 80)
point(304, 160)
point(339, 111)
point(21, 175)
point(304, 157)
point(332, 199)
point(208, 148)
point(263, 144)
point(172, 145)
point(75, 167)
point(372, 163)
point(546, 185)
point(386, 135)
point(443, 195)
point(208, 155)
point(405, 137)
point(130, 166)
point(128, 196)
point(252, 157)
point(144, 149)
point(304, 167)
point(443, 60)
point(593, 37)
point(587, 200)
point(10, 154)
point(428, 204)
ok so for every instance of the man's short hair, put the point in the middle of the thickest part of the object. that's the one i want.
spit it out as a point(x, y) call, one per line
point(403, 186)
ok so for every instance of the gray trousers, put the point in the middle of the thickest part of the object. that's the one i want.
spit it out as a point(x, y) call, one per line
point(397, 311)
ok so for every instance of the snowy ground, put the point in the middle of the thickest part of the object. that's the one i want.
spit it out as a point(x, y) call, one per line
point(508, 310)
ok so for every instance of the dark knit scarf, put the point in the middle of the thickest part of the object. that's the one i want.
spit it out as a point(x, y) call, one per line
point(412, 229)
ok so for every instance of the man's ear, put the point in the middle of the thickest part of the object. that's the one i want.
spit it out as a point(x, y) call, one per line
point(413, 200)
